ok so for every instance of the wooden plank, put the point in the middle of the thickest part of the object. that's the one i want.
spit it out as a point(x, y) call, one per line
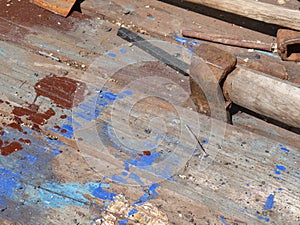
point(265, 12)
point(260, 127)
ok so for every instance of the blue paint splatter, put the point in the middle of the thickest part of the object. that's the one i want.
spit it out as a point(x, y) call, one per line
point(247, 185)
point(269, 203)
point(276, 171)
point(280, 189)
point(267, 219)
point(123, 50)
point(110, 54)
point(124, 173)
point(103, 194)
point(205, 141)
point(126, 166)
point(132, 212)
point(144, 160)
point(284, 149)
point(260, 217)
point(148, 195)
point(123, 222)
point(181, 40)
point(279, 167)
point(66, 130)
point(88, 110)
point(9, 182)
point(222, 218)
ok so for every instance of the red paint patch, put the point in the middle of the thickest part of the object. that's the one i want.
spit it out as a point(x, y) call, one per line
point(63, 116)
point(15, 126)
point(33, 115)
point(63, 131)
point(147, 153)
point(26, 141)
point(63, 91)
point(10, 148)
point(57, 127)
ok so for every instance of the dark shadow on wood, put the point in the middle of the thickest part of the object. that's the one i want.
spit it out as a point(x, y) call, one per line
point(269, 29)
point(77, 6)
point(235, 109)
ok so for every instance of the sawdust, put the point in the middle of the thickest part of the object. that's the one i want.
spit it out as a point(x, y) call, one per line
point(120, 209)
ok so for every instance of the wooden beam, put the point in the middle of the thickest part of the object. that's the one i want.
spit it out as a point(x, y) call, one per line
point(264, 12)
point(266, 95)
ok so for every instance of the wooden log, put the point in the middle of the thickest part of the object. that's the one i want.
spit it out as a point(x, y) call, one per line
point(266, 95)
point(264, 12)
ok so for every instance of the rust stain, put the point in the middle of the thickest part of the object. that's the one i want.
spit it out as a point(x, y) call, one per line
point(33, 115)
point(63, 91)
point(10, 148)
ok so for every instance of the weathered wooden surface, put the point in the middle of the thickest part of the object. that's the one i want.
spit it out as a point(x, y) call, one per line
point(257, 10)
point(215, 193)
point(269, 96)
point(52, 180)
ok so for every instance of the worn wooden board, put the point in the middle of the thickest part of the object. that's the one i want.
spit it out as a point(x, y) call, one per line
point(225, 192)
point(52, 180)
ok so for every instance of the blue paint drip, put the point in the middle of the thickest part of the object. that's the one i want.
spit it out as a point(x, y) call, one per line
point(110, 54)
point(269, 203)
point(148, 195)
point(222, 218)
point(282, 168)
